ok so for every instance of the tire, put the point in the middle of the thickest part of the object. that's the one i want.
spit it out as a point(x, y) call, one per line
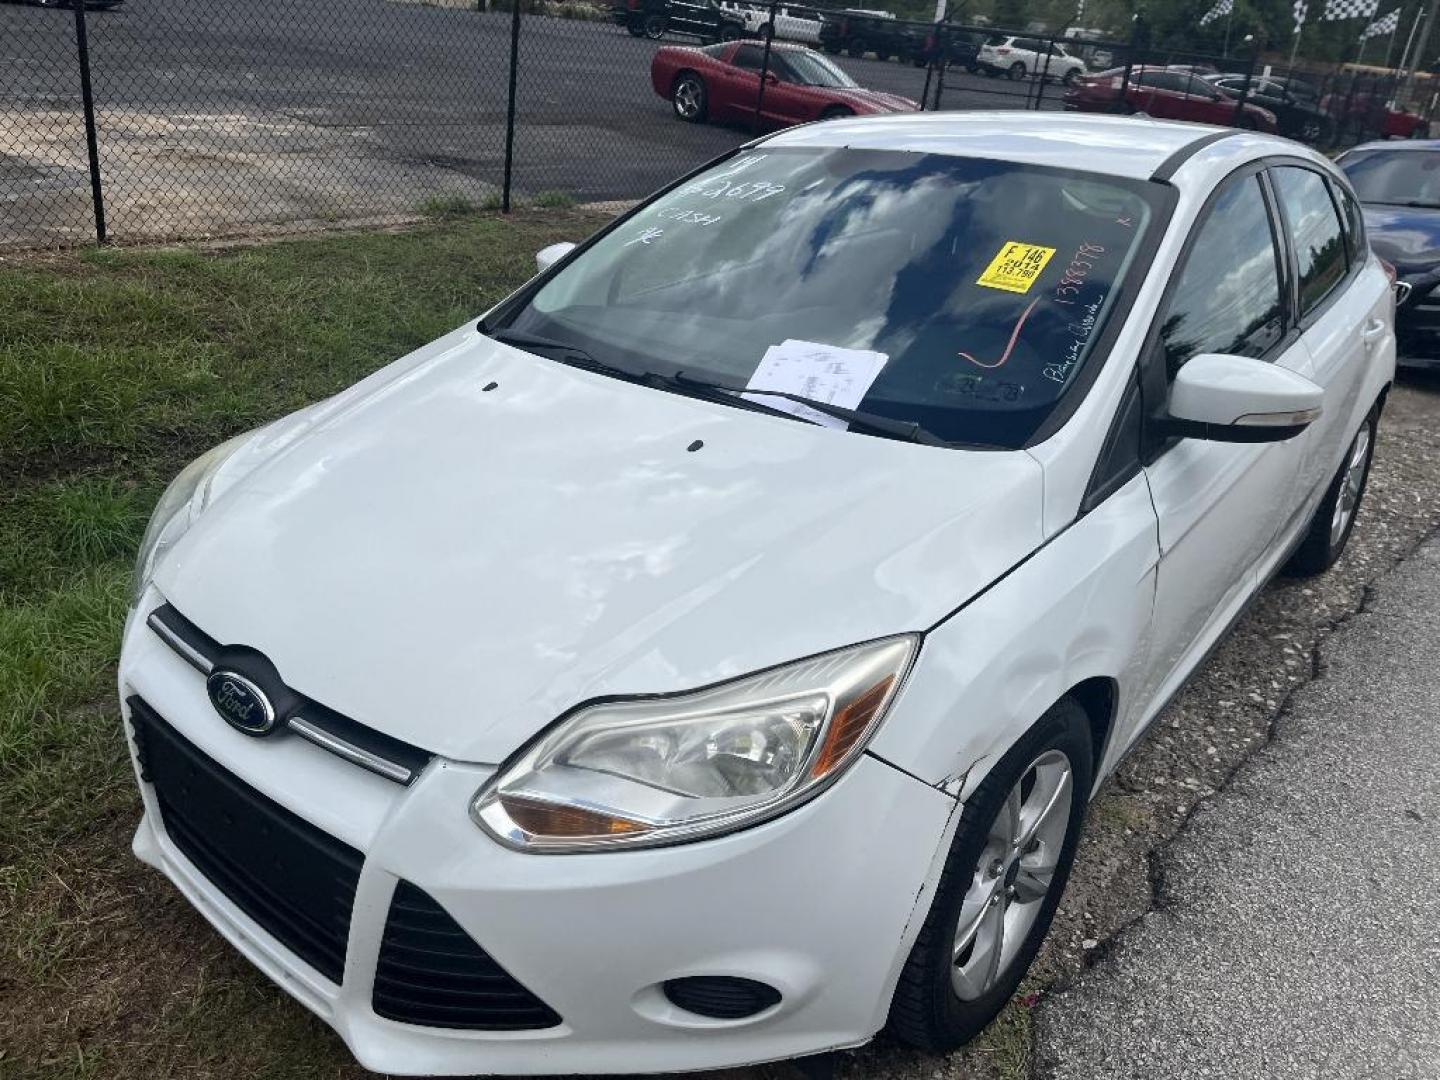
point(634, 31)
point(1017, 71)
point(928, 1010)
point(856, 47)
point(1329, 530)
point(655, 26)
point(835, 112)
point(689, 98)
point(1071, 77)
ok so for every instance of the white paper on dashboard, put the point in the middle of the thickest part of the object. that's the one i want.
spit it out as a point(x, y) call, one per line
point(825, 373)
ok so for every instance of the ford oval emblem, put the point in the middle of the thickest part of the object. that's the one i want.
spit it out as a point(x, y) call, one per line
point(241, 703)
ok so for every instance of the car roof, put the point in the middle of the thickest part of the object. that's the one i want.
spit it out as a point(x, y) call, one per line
point(1128, 146)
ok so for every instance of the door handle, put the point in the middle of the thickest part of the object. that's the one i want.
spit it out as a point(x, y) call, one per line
point(1373, 329)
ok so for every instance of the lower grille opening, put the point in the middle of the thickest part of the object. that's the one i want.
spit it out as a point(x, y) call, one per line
point(297, 881)
point(721, 997)
point(431, 972)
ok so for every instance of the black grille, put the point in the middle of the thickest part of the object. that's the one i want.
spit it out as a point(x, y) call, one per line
point(723, 997)
point(433, 973)
point(295, 880)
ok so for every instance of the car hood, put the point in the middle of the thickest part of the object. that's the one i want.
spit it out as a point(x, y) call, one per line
point(1408, 237)
point(456, 566)
point(870, 101)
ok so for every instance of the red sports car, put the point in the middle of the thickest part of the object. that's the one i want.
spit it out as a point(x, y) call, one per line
point(722, 82)
point(1165, 94)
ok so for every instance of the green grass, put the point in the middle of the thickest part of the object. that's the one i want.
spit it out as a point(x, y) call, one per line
point(554, 200)
point(116, 367)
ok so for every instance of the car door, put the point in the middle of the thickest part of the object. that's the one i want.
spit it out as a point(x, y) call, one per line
point(742, 83)
point(1160, 96)
point(1219, 505)
point(1342, 314)
point(786, 101)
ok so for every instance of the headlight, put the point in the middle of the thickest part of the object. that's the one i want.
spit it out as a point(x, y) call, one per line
point(188, 494)
point(656, 771)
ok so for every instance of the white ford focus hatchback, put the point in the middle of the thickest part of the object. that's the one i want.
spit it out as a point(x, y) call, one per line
point(708, 656)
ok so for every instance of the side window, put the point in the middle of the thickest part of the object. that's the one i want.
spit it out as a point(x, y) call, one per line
point(1356, 243)
point(1227, 299)
point(1315, 228)
point(748, 57)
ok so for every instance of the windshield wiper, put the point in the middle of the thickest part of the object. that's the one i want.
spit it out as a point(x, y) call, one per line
point(566, 353)
point(907, 430)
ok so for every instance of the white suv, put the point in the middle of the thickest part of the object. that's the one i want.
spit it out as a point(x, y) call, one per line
point(1023, 57)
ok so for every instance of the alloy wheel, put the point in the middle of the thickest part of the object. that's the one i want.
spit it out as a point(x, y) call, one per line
point(1351, 486)
point(687, 98)
point(1013, 875)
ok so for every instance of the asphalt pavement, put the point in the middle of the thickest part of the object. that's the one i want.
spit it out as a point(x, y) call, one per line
point(215, 114)
point(1296, 930)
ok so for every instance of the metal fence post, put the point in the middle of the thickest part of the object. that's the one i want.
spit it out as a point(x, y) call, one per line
point(1041, 76)
point(87, 99)
point(510, 106)
point(765, 64)
point(1238, 119)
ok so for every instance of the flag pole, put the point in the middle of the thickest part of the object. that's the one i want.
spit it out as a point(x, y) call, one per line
point(1229, 17)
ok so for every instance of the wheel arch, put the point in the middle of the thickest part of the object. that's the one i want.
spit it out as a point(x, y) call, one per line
point(681, 73)
point(1098, 696)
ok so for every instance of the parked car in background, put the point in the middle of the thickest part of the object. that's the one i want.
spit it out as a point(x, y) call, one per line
point(855, 32)
point(704, 19)
point(1298, 117)
point(952, 46)
point(709, 654)
point(1171, 95)
point(722, 82)
point(790, 24)
point(1398, 185)
point(1021, 57)
point(1373, 113)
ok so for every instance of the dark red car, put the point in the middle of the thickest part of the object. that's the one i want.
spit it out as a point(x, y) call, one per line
point(1369, 112)
point(1165, 94)
point(722, 82)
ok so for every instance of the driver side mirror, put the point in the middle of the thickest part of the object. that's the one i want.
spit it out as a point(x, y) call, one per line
point(771, 78)
point(547, 257)
point(1224, 398)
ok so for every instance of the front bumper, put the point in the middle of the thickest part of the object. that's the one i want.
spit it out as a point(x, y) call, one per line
point(821, 904)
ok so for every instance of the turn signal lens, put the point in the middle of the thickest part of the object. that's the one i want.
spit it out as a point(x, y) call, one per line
point(547, 819)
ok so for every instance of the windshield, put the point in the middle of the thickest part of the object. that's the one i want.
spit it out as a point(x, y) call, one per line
point(966, 292)
point(812, 69)
point(1396, 177)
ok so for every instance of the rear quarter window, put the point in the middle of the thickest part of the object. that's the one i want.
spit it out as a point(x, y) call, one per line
point(1319, 239)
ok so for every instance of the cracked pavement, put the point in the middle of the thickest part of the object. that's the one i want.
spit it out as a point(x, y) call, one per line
point(1295, 927)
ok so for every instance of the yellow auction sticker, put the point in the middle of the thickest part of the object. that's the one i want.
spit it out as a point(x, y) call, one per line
point(1015, 267)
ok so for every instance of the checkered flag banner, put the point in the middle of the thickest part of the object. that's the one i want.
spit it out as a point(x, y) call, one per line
point(1222, 7)
point(1383, 26)
point(1349, 9)
point(1301, 9)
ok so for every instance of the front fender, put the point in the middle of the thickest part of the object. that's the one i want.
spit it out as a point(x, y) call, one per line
point(1078, 608)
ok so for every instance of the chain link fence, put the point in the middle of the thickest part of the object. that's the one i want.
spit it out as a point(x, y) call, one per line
point(192, 119)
